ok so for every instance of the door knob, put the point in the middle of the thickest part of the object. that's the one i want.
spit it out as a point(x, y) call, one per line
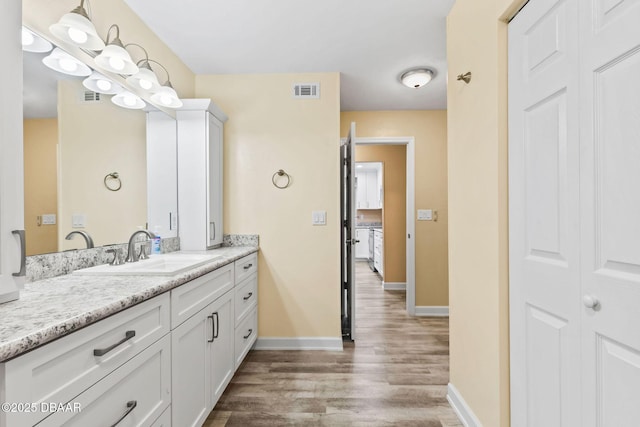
point(590, 301)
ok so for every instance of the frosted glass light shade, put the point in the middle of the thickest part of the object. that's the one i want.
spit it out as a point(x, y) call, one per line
point(144, 79)
point(32, 42)
point(167, 97)
point(61, 61)
point(128, 100)
point(101, 84)
point(78, 30)
point(416, 78)
point(116, 59)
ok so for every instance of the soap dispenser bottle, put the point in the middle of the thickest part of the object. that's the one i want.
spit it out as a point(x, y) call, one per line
point(157, 242)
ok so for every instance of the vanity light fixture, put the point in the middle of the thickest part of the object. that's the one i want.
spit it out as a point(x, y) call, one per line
point(61, 61)
point(145, 79)
point(31, 42)
point(76, 28)
point(114, 57)
point(129, 100)
point(416, 77)
point(166, 95)
point(96, 82)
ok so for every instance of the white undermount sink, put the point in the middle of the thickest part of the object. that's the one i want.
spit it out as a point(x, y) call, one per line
point(156, 265)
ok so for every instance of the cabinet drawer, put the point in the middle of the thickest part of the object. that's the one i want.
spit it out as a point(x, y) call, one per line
point(164, 420)
point(246, 297)
point(246, 333)
point(246, 266)
point(190, 298)
point(137, 393)
point(66, 367)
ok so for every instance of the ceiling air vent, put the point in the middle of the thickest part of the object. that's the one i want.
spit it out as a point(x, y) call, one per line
point(306, 90)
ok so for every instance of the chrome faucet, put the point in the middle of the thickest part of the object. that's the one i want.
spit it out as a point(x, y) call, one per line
point(84, 234)
point(132, 256)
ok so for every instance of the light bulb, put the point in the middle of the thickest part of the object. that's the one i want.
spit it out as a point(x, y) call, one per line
point(68, 64)
point(145, 84)
point(116, 63)
point(166, 99)
point(77, 36)
point(129, 100)
point(27, 38)
point(103, 84)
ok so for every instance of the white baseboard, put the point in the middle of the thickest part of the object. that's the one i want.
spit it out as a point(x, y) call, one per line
point(460, 407)
point(432, 310)
point(394, 286)
point(299, 343)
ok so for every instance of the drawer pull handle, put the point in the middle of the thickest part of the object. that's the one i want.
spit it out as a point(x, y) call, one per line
point(213, 328)
point(131, 405)
point(249, 334)
point(248, 266)
point(249, 295)
point(217, 323)
point(103, 351)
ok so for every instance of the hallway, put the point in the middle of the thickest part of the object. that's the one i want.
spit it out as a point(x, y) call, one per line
point(395, 374)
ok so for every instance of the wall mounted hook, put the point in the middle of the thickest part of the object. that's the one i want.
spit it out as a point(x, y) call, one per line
point(466, 77)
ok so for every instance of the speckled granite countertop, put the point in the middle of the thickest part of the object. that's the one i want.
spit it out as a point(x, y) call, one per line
point(51, 308)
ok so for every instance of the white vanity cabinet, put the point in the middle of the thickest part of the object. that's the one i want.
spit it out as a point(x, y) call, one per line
point(246, 301)
point(200, 174)
point(11, 161)
point(94, 367)
point(202, 344)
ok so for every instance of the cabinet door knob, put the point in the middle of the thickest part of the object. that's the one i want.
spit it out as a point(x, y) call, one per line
point(590, 301)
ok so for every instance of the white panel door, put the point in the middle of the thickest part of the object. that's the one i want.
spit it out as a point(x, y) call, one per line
point(610, 206)
point(543, 215)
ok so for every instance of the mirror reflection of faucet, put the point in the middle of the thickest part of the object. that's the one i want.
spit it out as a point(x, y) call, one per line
point(84, 234)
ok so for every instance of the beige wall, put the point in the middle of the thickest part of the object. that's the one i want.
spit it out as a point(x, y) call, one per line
point(40, 183)
point(394, 214)
point(429, 130)
point(268, 130)
point(478, 240)
point(40, 14)
point(97, 139)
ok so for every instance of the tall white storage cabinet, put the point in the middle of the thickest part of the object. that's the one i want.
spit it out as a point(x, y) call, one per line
point(11, 174)
point(200, 172)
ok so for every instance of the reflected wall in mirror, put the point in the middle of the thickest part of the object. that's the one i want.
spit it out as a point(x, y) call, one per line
point(72, 140)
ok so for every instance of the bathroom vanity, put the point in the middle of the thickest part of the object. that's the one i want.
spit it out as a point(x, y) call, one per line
point(145, 349)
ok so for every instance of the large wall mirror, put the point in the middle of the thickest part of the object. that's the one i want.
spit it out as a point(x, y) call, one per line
point(86, 165)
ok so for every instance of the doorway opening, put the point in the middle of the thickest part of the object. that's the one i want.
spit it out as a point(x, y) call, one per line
point(350, 221)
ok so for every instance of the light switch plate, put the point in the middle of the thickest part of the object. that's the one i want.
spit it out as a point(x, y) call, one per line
point(319, 218)
point(48, 219)
point(425, 214)
point(78, 220)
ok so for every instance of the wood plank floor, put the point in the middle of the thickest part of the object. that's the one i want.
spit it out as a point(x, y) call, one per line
point(396, 373)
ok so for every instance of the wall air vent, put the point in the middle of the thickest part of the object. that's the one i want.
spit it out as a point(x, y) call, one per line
point(306, 90)
point(91, 96)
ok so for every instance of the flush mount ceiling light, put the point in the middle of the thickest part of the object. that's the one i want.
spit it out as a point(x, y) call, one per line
point(129, 100)
point(76, 28)
point(62, 62)
point(416, 77)
point(31, 42)
point(145, 79)
point(96, 82)
point(114, 57)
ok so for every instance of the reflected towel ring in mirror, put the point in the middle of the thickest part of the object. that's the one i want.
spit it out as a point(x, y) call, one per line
point(275, 179)
point(112, 181)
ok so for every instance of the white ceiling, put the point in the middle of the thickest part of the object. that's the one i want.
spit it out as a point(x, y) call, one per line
point(370, 42)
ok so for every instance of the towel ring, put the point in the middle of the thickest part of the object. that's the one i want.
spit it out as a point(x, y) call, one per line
point(279, 174)
point(112, 181)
